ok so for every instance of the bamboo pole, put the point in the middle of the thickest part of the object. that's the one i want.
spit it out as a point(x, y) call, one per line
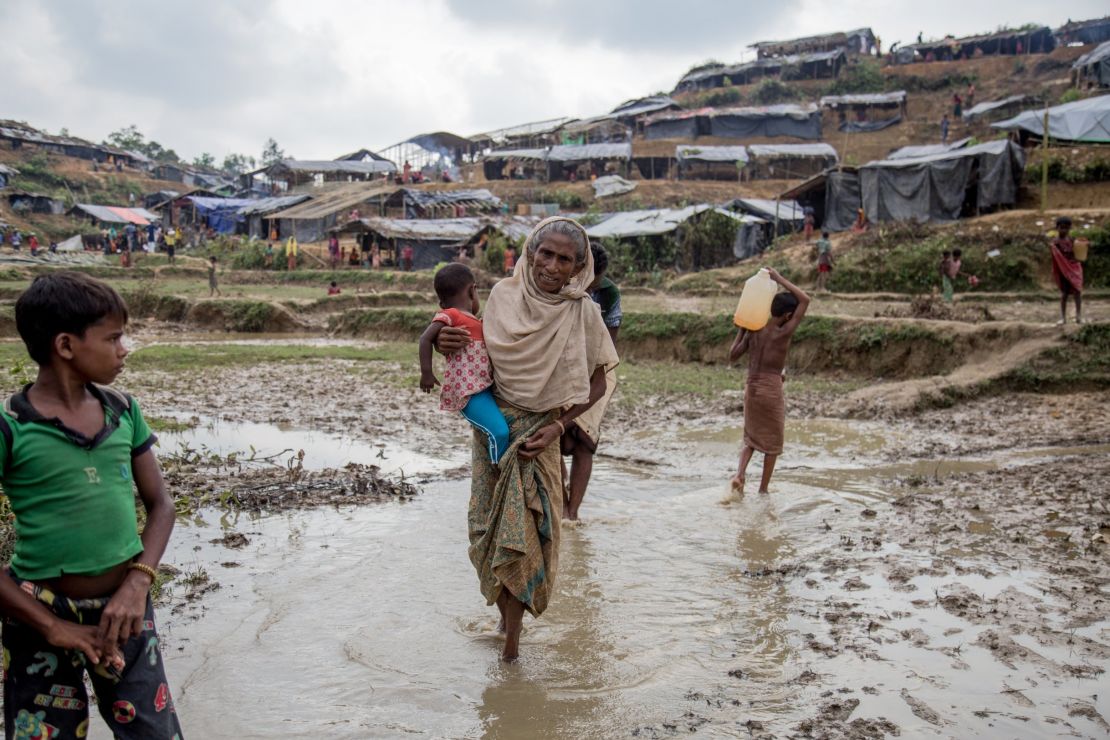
point(1044, 163)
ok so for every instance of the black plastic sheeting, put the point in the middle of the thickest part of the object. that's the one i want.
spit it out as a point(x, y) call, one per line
point(678, 128)
point(739, 127)
point(941, 188)
point(842, 200)
point(859, 127)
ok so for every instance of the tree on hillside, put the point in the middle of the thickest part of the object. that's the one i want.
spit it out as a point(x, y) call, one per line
point(132, 139)
point(272, 153)
point(237, 164)
point(204, 159)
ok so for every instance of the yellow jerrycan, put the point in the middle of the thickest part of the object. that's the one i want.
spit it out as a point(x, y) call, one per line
point(754, 308)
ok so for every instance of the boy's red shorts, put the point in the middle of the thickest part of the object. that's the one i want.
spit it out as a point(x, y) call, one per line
point(824, 268)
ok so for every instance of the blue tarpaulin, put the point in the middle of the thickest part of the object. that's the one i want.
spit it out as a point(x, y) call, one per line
point(220, 214)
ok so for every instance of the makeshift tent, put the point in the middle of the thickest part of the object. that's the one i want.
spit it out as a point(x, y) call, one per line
point(6, 173)
point(413, 203)
point(1086, 121)
point(657, 222)
point(631, 112)
point(802, 122)
point(1093, 31)
point(711, 162)
point(219, 214)
point(310, 221)
point(942, 187)
point(597, 130)
point(789, 161)
point(431, 239)
point(993, 110)
point(257, 213)
point(859, 41)
point(818, 65)
point(72, 244)
point(1093, 68)
point(786, 214)
point(834, 197)
point(1009, 42)
point(686, 124)
point(562, 158)
point(521, 163)
point(612, 185)
point(867, 127)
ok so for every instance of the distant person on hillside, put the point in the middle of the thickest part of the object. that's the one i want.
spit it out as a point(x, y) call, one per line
point(957, 106)
point(407, 253)
point(1067, 271)
point(407, 172)
point(333, 251)
point(944, 129)
point(809, 222)
point(969, 99)
point(510, 260)
point(764, 402)
point(171, 245)
point(951, 265)
point(268, 256)
point(824, 261)
point(17, 240)
point(375, 256)
point(291, 253)
point(213, 287)
point(33, 245)
point(861, 223)
point(334, 289)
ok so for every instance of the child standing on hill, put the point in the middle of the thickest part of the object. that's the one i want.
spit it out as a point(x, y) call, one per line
point(469, 377)
point(76, 597)
point(213, 287)
point(1067, 271)
point(764, 402)
point(824, 261)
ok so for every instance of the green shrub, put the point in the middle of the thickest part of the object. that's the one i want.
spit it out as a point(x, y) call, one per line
point(771, 91)
point(1070, 96)
point(862, 77)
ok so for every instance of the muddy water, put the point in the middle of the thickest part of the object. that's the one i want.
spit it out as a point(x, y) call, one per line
point(671, 611)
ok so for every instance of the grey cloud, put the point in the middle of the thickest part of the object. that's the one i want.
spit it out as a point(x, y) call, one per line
point(665, 25)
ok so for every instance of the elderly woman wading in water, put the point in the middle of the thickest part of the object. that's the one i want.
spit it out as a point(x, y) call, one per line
point(550, 351)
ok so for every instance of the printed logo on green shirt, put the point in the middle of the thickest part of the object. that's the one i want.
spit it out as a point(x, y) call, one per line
point(94, 475)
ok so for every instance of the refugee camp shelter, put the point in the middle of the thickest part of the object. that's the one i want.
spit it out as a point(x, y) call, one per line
point(1093, 68)
point(660, 222)
point(798, 121)
point(415, 203)
point(833, 196)
point(514, 164)
point(221, 215)
point(258, 213)
point(22, 201)
point(811, 66)
point(363, 155)
point(1084, 121)
point(103, 216)
point(538, 134)
point(6, 174)
point(158, 197)
point(311, 220)
point(711, 162)
point(943, 187)
point(859, 41)
point(597, 130)
point(18, 134)
point(783, 216)
point(1094, 31)
point(1011, 42)
point(857, 113)
point(299, 173)
point(633, 112)
point(927, 150)
point(996, 110)
point(433, 156)
point(789, 161)
point(434, 240)
point(571, 162)
point(611, 185)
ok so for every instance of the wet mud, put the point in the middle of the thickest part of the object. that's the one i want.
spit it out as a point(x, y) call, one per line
point(941, 575)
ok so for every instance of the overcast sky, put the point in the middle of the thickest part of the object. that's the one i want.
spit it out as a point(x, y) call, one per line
point(325, 77)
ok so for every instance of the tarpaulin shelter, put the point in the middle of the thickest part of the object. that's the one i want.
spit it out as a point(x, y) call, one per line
point(522, 164)
point(1086, 121)
point(114, 214)
point(1093, 31)
point(258, 212)
point(611, 185)
point(711, 162)
point(834, 197)
point(599, 158)
point(523, 136)
point(413, 203)
point(434, 240)
point(657, 222)
point(859, 41)
point(1009, 42)
point(685, 124)
point(789, 161)
point(1093, 68)
point(219, 214)
point(802, 122)
point(943, 187)
point(21, 200)
point(596, 130)
point(632, 112)
point(6, 173)
point(310, 221)
point(19, 134)
point(855, 111)
point(994, 110)
point(817, 65)
point(296, 172)
point(787, 215)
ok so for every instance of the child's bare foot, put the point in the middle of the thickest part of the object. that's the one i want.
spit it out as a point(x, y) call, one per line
point(738, 483)
point(763, 490)
point(511, 651)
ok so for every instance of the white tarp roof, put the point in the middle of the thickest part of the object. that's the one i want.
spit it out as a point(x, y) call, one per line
point(991, 147)
point(626, 224)
point(791, 150)
point(72, 244)
point(927, 150)
point(684, 152)
point(540, 154)
point(988, 105)
point(577, 153)
point(788, 210)
point(890, 98)
point(1102, 51)
point(1084, 121)
point(612, 185)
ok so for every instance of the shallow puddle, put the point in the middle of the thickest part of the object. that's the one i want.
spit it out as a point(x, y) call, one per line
point(676, 608)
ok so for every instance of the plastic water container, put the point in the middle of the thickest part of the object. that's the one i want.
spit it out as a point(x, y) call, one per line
point(1080, 247)
point(754, 308)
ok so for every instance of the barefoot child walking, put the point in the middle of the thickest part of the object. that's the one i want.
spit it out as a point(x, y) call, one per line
point(468, 380)
point(75, 598)
point(764, 402)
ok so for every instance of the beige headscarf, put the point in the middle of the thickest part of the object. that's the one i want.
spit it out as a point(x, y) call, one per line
point(545, 346)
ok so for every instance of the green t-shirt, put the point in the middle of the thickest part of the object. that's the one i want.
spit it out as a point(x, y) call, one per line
point(73, 497)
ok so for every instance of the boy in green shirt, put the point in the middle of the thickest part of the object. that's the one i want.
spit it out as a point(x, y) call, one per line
point(76, 596)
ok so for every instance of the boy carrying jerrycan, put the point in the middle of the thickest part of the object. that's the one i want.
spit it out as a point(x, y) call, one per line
point(767, 321)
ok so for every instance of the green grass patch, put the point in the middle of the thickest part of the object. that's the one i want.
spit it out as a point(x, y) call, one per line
point(178, 358)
